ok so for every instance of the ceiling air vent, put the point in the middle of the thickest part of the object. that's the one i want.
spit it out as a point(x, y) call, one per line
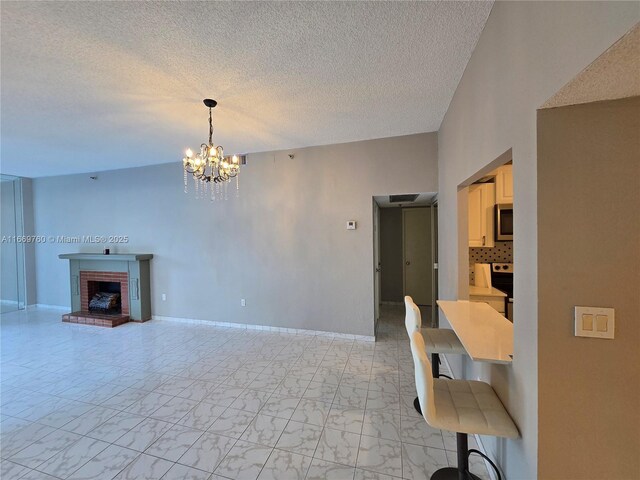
point(405, 198)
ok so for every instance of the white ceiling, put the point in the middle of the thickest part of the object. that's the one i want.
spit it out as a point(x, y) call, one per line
point(89, 86)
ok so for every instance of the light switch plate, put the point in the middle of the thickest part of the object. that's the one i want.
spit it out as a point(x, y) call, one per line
point(597, 322)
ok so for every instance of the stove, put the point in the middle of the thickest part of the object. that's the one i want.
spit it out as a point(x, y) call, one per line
point(502, 279)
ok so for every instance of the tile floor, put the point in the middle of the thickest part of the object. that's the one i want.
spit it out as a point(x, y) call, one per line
point(169, 401)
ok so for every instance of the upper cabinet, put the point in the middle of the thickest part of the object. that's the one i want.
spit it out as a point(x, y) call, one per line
point(504, 184)
point(481, 214)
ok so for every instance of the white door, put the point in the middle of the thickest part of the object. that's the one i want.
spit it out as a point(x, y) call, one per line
point(416, 232)
point(376, 263)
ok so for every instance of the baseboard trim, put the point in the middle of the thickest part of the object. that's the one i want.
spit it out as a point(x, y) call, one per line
point(492, 474)
point(265, 328)
point(51, 307)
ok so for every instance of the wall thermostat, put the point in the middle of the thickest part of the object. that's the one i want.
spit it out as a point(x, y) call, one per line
point(351, 225)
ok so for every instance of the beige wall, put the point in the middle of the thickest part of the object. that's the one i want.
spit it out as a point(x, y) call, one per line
point(282, 245)
point(589, 254)
point(526, 53)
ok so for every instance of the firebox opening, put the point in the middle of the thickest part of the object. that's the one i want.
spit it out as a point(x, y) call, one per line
point(105, 297)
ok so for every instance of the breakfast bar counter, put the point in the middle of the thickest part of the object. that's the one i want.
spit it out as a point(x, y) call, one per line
point(485, 334)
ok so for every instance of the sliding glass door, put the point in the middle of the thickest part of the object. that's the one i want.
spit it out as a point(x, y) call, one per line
point(12, 271)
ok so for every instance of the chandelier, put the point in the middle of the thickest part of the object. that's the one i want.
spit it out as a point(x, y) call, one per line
point(212, 172)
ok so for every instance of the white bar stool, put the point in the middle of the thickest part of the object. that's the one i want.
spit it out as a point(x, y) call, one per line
point(438, 340)
point(461, 406)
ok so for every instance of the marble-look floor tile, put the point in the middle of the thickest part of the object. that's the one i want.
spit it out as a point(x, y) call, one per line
point(67, 461)
point(301, 438)
point(148, 404)
point(380, 455)
point(345, 418)
point(182, 472)
point(240, 378)
point(282, 407)
point(23, 437)
point(382, 425)
point(37, 475)
point(174, 386)
point(45, 448)
point(321, 470)
point(224, 395)
point(106, 465)
point(338, 447)
point(232, 422)
point(351, 397)
point(174, 410)
point(202, 415)
point(65, 414)
point(419, 462)
point(381, 401)
point(418, 432)
point(207, 452)
point(244, 461)
point(265, 383)
point(325, 392)
point(115, 427)
point(369, 475)
point(264, 430)
point(174, 443)
point(144, 434)
point(292, 386)
point(283, 465)
point(11, 471)
point(145, 467)
point(311, 411)
point(89, 420)
point(251, 400)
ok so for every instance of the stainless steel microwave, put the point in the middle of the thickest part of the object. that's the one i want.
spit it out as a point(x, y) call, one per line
point(504, 222)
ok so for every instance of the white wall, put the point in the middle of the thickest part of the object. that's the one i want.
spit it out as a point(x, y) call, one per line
point(526, 52)
point(282, 245)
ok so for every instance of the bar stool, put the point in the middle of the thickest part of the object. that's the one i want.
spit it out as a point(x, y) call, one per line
point(461, 406)
point(438, 340)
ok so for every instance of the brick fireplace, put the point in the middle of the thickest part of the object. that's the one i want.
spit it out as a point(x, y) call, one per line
point(126, 274)
point(90, 285)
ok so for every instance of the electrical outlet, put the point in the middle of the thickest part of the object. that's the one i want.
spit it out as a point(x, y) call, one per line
point(164, 297)
point(243, 302)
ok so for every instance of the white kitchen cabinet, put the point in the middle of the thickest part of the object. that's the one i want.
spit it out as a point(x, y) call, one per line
point(504, 184)
point(481, 216)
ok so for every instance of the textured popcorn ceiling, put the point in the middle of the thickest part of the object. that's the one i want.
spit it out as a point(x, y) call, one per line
point(614, 74)
point(89, 86)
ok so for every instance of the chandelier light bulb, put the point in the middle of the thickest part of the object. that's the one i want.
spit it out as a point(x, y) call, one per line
point(234, 159)
point(189, 153)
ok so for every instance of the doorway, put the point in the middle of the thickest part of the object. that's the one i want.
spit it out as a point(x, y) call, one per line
point(404, 250)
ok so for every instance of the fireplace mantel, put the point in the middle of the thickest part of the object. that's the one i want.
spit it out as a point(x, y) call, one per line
point(132, 270)
point(127, 257)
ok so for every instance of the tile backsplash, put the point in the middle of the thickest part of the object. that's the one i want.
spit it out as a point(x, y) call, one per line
point(501, 253)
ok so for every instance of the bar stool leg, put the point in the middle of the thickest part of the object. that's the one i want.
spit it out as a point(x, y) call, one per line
point(435, 365)
point(462, 471)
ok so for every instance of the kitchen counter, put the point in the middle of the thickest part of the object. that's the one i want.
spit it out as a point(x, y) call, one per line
point(486, 335)
point(486, 291)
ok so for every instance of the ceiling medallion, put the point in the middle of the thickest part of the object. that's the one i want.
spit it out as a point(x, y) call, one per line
point(211, 170)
